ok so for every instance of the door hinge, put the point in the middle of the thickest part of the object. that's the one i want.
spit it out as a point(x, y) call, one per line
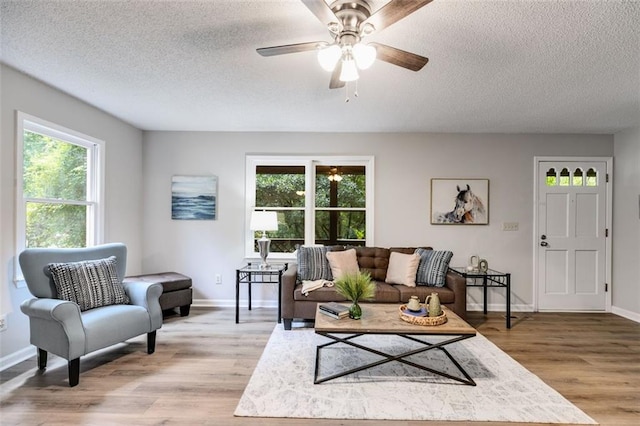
point(607, 177)
point(606, 232)
point(606, 287)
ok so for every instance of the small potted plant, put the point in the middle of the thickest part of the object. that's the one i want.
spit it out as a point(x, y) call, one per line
point(356, 287)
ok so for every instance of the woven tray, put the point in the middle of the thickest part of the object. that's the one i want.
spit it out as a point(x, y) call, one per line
point(412, 319)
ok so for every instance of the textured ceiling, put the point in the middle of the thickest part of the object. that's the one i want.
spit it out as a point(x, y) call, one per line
point(495, 66)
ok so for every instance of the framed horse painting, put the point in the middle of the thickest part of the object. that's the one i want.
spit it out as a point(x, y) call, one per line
point(459, 201)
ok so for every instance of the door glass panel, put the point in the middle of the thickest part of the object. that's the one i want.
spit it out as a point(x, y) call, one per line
point(564, 177)
point(592, 178)
point(552, 180)
point(577, 177)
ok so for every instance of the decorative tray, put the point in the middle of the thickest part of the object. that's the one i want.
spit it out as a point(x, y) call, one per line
point(414, 318)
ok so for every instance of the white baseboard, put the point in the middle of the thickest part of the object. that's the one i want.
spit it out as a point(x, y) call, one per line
point(17, 357)
point(231, 303)
point(499, 307)
point(633, 316)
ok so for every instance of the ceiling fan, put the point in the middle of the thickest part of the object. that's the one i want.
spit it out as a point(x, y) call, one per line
point(349, 22)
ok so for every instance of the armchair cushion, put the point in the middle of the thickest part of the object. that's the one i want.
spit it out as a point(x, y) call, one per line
point(89, 283)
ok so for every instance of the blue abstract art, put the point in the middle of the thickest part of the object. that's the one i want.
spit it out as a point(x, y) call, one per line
point(194, 197)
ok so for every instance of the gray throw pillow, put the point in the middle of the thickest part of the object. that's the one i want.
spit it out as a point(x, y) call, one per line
point(433, 267)
point(89, 283)
point(313, 263)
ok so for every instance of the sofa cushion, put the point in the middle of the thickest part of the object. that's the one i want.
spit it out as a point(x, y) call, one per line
point(422, 291)
point(433, 267)
point(89, 283)
point(322, 294)
point(374, 260)
point(386, 293)
point(402, 269)
point(313, 264)
point(343, 263)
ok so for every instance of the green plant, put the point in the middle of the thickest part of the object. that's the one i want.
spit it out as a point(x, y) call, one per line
point(356, 287)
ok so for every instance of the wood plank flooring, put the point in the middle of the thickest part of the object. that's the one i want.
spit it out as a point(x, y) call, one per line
point(203, 362)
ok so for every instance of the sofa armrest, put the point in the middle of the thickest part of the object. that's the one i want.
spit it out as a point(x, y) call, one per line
point(60, 329)
point(289, 281)
point(147, 295)
point(458, 284)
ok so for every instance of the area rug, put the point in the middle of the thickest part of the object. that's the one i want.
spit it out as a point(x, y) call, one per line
point(282, 384)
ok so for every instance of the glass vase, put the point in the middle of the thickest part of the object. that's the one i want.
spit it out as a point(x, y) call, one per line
point(355, 311)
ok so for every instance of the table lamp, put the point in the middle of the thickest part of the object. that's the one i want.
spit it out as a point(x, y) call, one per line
point(264, 221)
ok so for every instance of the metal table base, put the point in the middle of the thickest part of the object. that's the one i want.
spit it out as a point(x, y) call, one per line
point(467, 380)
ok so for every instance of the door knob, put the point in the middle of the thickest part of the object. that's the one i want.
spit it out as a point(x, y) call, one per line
point(543, 237)
point(544, 243)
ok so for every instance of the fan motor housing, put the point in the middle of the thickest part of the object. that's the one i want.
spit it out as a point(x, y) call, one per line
point(351, 14)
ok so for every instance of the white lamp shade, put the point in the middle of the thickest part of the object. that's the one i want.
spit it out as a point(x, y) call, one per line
point(349, 71)
point(329, 56)
point(364, 55)
point(264, 221)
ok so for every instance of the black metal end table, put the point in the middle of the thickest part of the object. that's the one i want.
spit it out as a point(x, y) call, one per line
point(254, 273)
point(490, 278)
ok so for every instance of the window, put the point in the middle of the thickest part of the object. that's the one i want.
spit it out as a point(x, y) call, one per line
point(577, 178)
point(59, 185)
point(319, 200)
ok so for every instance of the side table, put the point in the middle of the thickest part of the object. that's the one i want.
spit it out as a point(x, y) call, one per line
point(252, 273)
point(490, 278)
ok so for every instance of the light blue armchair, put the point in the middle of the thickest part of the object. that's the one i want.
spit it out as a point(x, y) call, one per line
point(60, 327)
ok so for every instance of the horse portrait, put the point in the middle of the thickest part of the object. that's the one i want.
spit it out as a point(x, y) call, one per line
point(466, 207)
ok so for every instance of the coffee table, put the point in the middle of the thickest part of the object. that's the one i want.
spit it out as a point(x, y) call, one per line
point(384, 319)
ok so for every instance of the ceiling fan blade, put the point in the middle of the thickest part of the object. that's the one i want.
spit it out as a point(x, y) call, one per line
point(394, 11)
point(289, 48)
point(398, 57)
point(321, 10)
point(335, 82)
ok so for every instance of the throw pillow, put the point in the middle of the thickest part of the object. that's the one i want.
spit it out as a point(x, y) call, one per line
point(402, 269)
point(89, 283)
point(433, 267)
point(343, 263)
point(313, 264)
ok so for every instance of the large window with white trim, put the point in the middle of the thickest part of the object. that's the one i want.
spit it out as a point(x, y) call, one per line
point(318, 200)
point(59, 186)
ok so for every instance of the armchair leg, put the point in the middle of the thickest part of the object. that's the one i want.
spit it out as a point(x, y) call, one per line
point(74, 372)
point(151, 342)
point(42, 359)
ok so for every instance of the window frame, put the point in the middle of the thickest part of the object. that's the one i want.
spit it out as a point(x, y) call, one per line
point(95, 181)
point(309, 162)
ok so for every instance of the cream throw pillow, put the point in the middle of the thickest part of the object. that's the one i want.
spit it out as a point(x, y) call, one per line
point(343, 263)
point(402, 269)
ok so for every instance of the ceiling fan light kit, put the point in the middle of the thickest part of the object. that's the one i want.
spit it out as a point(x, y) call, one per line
point(348, 22)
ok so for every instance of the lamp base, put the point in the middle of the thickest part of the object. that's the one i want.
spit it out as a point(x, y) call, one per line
point(263, 246)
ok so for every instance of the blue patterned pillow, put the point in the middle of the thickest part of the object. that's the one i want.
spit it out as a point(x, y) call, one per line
point(433, 266)
point(313, 263)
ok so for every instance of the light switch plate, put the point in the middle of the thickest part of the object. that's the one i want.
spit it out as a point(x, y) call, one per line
point(510, 226)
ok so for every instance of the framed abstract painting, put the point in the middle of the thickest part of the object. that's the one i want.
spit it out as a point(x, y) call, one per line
point(194, 197)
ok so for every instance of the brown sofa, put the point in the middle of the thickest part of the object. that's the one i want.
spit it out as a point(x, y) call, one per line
point(375, 260)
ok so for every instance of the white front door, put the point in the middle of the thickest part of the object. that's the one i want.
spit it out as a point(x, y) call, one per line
point(571, 240)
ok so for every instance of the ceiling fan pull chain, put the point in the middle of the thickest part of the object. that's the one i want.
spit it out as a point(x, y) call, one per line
point(356, 91)
point(346, 92)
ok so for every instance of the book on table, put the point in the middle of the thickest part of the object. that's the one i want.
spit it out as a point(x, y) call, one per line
point(333, 309)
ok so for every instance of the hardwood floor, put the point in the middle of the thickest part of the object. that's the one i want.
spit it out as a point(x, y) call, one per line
point(203, 362)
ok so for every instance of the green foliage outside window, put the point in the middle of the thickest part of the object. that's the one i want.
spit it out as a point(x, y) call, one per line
point(54, 173)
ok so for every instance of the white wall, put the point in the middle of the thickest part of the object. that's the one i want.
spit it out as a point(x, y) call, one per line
point(626, 229)
point(404, 165)
point(123, 213)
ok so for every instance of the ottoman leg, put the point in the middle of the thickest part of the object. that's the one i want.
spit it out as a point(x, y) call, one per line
point(184, 310)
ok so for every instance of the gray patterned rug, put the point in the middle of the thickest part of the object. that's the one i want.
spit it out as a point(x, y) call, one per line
point(282, 384)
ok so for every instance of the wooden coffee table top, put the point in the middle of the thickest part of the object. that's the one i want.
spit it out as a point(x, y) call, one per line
point(384, 318)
